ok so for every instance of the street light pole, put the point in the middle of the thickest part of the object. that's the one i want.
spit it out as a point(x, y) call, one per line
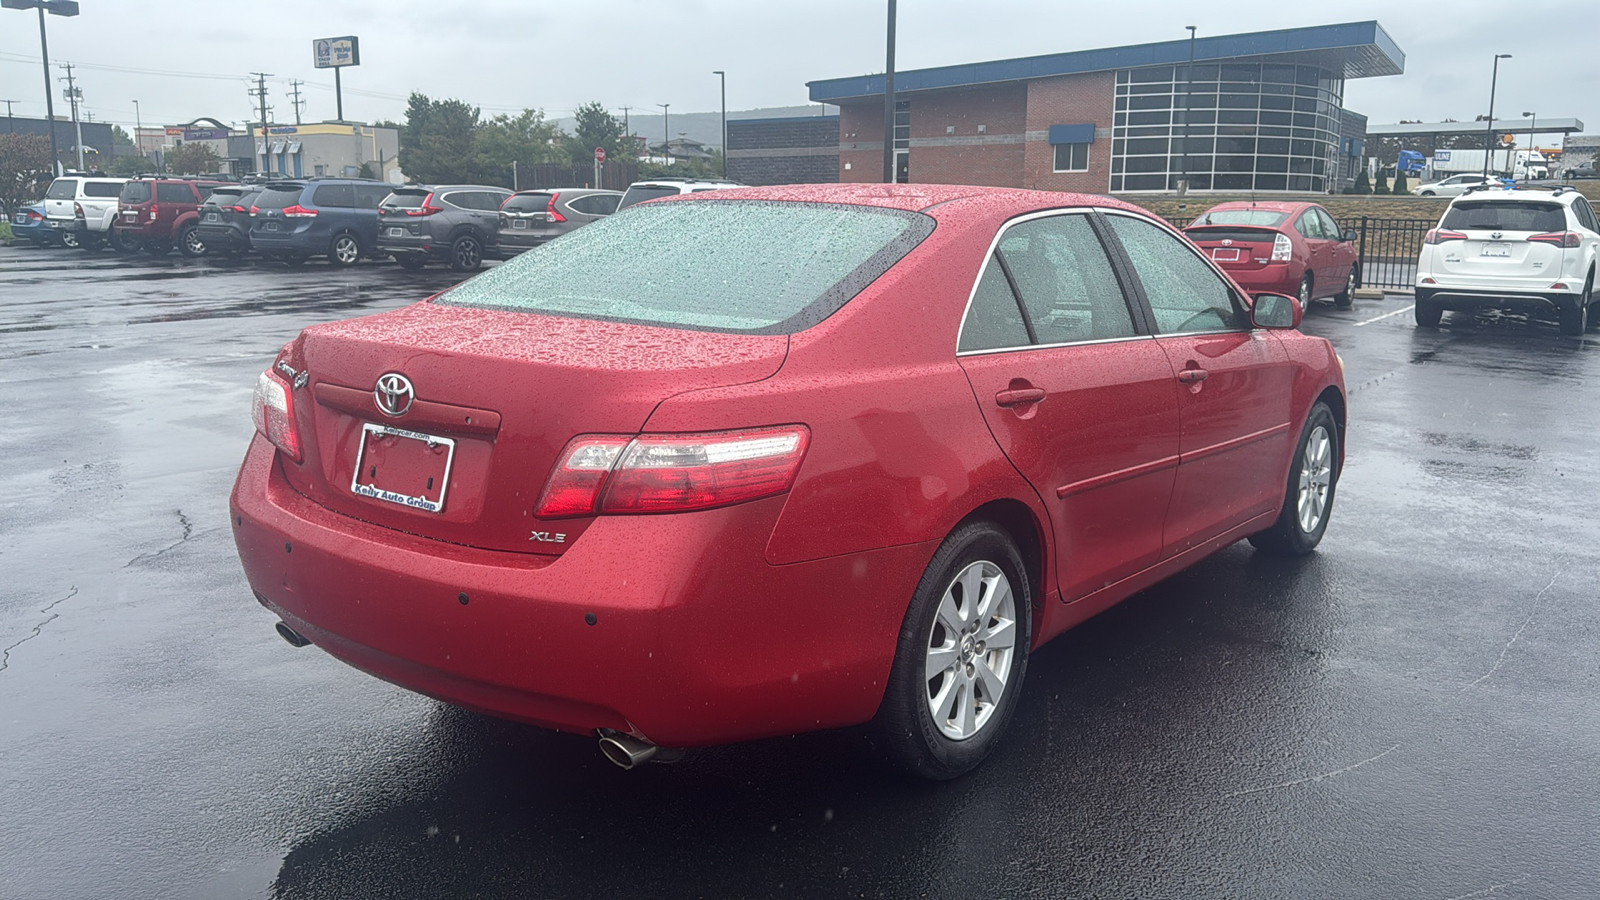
point(666, 131)
point(888, 104)
point(1533, 123)
point(724, 76)
point(1488, 135)
point(1188, 107)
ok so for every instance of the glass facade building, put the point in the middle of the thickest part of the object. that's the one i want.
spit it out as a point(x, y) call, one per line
point(1236, 126)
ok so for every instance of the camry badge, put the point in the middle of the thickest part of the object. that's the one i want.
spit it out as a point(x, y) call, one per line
point(394, 394)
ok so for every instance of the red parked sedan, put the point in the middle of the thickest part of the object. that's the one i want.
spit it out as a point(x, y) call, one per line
point(1285, 248)
point(769, 460)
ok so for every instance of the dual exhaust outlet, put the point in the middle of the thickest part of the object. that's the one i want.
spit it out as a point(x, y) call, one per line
point(624, 750)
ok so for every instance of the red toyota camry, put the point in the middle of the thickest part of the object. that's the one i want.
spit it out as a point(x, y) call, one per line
point(1286, 248)
point(769, 460)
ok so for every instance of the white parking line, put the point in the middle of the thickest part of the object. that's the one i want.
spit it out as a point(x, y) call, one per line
point(1386, 315)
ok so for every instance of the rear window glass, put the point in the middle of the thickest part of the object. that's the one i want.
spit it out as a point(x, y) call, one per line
point(527, 203)
point(135, 192)
point(1505, 215)
point(102, 188)
point(405, 200)
point(640, 192)
point(62, 189)
point(754, 267)
point(278, 198)
point(224, 196)
point(1231, 234)
point(1263, 217)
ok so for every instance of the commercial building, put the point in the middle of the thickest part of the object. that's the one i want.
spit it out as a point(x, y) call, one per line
point(784, 150)
point(1255, 112)
point(329, 148)
point(97, 144)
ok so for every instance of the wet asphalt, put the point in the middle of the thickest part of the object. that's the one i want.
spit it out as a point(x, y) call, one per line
point(1414, 711)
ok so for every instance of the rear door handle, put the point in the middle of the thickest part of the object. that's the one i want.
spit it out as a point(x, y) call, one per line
point(1019, 396)
point(1192, 376)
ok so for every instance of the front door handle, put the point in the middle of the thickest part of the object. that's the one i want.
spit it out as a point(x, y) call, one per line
point(1192, 376)
point(1019, 396)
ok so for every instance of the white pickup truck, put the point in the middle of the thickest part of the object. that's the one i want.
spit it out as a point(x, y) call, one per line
point(82, 208)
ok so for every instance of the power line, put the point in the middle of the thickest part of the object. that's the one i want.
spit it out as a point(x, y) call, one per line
point(17, 57)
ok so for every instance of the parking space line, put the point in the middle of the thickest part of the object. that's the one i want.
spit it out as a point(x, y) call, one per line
point(1386, 315)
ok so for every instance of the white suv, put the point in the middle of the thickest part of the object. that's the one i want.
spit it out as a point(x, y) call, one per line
point(1530, 249)
point(640, 191)
point(81, 208)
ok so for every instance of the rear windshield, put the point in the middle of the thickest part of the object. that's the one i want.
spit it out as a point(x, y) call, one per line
point(527, 203)
point(746, 266)
point(278, 198)
point(62, 189)
point(225, 196)
point(1263, 217)
point(135, 192)
point(405, 200)
point(102, 188)
point(641, 192)
point(1505, 215)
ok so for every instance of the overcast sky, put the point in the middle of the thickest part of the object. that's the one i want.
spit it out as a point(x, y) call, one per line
point(182, 59)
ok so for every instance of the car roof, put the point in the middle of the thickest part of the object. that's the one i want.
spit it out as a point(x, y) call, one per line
point(567, 190)
point(1559, 194)
point(449, 187)
point(1005, 202)
point(1283, 206)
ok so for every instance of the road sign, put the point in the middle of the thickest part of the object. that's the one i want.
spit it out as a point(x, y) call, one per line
point(599, 154)
point(336, 52)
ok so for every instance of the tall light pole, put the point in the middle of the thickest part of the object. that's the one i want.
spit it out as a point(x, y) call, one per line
point(888, 104)
point(724, 76)
point(1488, 134)
point(1532, 124)
point(54, 8)
point(138, 126)
point(1188, 106)
point(666, 131)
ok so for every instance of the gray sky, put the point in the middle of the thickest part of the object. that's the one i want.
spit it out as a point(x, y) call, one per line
point(504, 55)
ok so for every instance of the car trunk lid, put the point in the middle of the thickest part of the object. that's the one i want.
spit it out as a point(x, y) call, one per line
point(499, 394)
point(1234, 246)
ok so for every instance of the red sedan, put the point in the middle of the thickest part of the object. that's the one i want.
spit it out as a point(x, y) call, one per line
point(1285, 248)
point(770, 460)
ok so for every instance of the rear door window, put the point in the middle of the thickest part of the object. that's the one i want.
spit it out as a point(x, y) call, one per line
point(1505, 215)
point(1308, 225)
point(1184, 293)
point(1330, 228)
point(334, 196)
point(1065, 279)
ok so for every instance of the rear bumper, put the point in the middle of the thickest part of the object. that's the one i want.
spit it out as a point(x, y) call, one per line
point(696, 639)
point(144, 231)
point(1276, 278)
point(1458, 298)
point(512, 242)
point(58, 225)
point(223, 236)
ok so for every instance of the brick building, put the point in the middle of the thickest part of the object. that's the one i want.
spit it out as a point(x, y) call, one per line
point(1261, 111)
point(788, 150)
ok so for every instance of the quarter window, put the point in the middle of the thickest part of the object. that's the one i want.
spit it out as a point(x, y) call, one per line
point(1184, 293)
point(993, 320)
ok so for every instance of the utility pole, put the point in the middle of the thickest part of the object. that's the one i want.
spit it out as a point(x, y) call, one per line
point(9, 125)
point(724, 78)
point(138, 126)
point(1488, 133)
point(298, 103)
point(260, 93)
point(626, 128)
point(888, 105)
point(73, 95)
point(666, 132)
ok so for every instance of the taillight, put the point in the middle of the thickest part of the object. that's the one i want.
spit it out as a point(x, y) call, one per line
point(1567, 239)
point(254, 209)
point(239, 209)
point(1439, 236)
point(33, 216)
point(299, 212)
point(551, 209)
point(77, 210)
point(427, 209)
point(1281, 248)
point(272, 408)
point(155, 211)
point(652, 473)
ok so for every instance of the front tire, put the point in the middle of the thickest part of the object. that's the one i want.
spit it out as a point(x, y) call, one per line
point(1308, 502)
point(344, 251)
point(961, 656)
point(466, 254)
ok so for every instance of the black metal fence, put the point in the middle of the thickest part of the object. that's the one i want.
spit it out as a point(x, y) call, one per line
point(1387, 248)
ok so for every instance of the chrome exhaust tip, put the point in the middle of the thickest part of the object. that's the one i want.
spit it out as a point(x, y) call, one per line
point(626, 751)
point(295, 638)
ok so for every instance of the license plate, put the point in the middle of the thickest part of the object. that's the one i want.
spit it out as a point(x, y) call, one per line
point(519, 223)
point(269, 226)
point(407, 468)
point(396, 232)
point(131, 214)
point(1503, 250)
point(213, 217)
point(1225, 254)
point(20, 219)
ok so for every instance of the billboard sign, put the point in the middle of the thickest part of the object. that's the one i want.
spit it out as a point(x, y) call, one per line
point(205, 134)
point(336, 52)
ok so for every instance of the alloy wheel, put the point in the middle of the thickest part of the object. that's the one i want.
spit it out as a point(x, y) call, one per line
point(1305, 291)
point(468, 255)
point(345, 250)
point(192, 244)
point(969, 651)
point(69, 239)
point(1316, 474)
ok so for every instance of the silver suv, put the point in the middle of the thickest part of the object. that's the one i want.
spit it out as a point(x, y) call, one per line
point(453, 223)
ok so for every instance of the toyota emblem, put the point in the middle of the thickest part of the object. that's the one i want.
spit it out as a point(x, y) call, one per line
point(1496, 235)
point(1227, 242)
point(394, 394)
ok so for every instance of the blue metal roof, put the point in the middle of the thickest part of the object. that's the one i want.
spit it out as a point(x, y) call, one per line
point(1360, 49)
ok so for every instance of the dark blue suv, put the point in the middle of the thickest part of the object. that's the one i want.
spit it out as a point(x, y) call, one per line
point(332, 217)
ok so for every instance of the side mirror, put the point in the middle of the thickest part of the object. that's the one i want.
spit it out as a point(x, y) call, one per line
point(1350, 235)
point(1276, 311)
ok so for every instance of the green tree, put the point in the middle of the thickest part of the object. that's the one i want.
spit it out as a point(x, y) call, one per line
point(131, 164)
point(1383, 182)
point(595, 127)
point(120, 138)
point(526, 138)
point(436, 142)
point(24, 169)
point(1400, 185)
point(1362, 185)
point(193, 159)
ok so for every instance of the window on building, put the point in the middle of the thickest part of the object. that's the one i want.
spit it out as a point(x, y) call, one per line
point(1072, 157)
point(902, 141)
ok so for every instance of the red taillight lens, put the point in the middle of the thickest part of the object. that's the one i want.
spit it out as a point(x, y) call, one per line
point(1439, 236)
point(77, 210)
point(299, 212)
point(35, 217)
point(238, 209)
point(155, 211)
point(254, 209)
point(1567, 239)
point(427, 209)
point(551, 209)
point(272, 407)
point(655, 473)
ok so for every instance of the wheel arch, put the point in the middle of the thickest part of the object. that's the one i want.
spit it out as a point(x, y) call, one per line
point(1028, 533)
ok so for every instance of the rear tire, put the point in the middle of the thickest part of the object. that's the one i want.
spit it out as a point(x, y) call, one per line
point(1344, 299)
point(1575, 318)
point(90, 241)
point(961, 656)
point(466, 254)
point(1305, 291)
point(344, 251)
point(1308, 501)
point(1427, 312)
point(122, 243)
point(69, 239)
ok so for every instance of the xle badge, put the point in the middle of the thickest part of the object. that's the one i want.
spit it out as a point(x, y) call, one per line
point(548, 538)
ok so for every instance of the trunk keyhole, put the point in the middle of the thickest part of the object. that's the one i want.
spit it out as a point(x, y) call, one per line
point(430, 483)
point(373, 473)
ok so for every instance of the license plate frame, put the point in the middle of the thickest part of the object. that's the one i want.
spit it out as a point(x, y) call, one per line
point(519, 223)
point(269, 226)
point(1225, 254)
point(365, 464)
point(396, 231)
point(213, 217)
point(1496, 250)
